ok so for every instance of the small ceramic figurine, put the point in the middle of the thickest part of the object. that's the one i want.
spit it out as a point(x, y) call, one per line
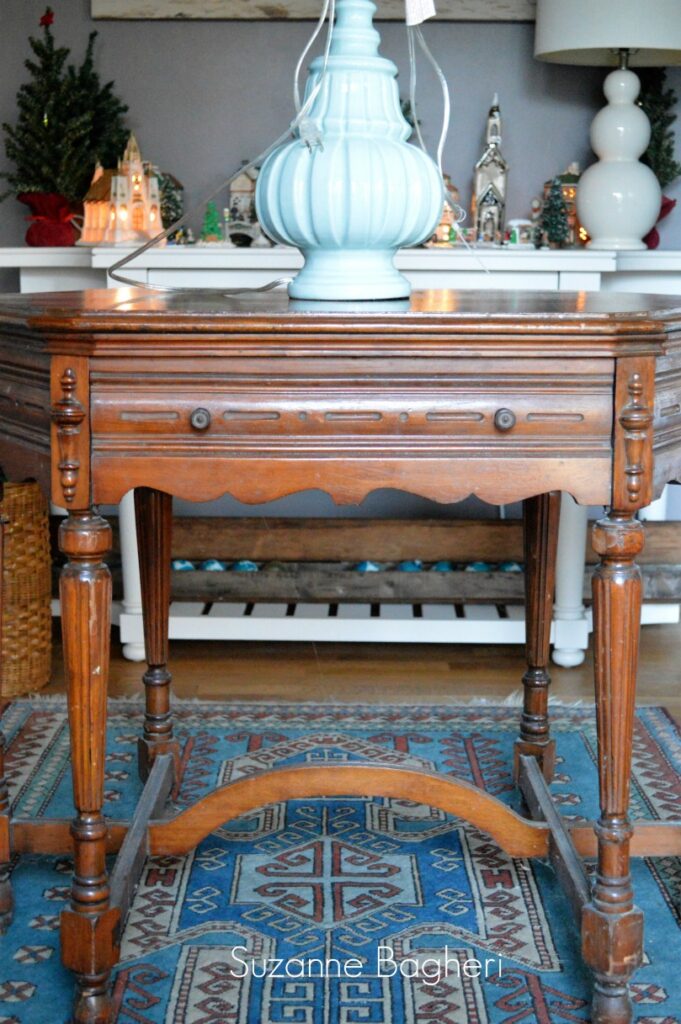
point(443, 232)
point(243, 226)
point(489, 183)
point(520, 234)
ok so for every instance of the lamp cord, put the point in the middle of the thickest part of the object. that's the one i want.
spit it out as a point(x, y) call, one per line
point(415, 34)
point(301, 125)
point(309, 135)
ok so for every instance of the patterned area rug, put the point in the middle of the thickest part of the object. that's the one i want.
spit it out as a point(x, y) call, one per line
point(376, 894)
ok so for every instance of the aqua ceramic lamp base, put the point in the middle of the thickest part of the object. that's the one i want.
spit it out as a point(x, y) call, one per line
point(348, 275)
point(351, 203)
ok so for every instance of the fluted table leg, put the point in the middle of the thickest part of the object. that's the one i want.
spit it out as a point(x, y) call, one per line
point(89, 926)
point(612, 927)
point(153, 511)
point(540, 539)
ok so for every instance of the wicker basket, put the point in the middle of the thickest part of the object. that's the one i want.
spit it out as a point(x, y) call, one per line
point(26, 591)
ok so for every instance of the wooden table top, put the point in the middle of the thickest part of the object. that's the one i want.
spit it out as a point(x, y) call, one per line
point(125, 308)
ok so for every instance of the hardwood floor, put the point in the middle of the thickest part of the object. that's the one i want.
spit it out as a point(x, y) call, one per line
point(408, 673)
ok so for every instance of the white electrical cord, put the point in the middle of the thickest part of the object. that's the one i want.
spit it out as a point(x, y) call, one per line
point(308, 132)
point(309, 135)
point(414, 32)
point(312, 40)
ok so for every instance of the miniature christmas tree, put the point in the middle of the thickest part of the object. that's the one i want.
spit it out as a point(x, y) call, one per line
point(67, 121)
point(659, 103)
point(172, 199)
point(211, 230)
point(554, 219)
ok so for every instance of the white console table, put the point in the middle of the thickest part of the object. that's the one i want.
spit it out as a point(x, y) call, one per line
point(216, 267)
point(221, 267)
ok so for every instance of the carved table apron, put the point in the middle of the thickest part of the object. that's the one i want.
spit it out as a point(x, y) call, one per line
point(508, 396)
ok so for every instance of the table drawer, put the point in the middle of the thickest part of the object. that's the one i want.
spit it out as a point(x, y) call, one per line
point(294, 413)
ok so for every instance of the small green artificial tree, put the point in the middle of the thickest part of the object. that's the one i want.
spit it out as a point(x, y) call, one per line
point(554, 221)
point(211, 231)
point(172, 198)
point(659, 103)
point(67, 121)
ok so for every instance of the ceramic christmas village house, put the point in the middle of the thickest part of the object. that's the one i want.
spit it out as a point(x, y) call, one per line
point(244, 227)
point(123, 205)
point(489, 184)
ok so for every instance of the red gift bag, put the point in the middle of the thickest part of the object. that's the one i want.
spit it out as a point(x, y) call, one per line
point(51, 219)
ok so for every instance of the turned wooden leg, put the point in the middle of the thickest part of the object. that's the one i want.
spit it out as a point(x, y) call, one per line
point(89, 927)
point(154, 517)
point(6, 898)
point(540, 539)
point(612, 927)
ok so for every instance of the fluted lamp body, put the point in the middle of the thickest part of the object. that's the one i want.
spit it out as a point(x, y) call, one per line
point(352, 202)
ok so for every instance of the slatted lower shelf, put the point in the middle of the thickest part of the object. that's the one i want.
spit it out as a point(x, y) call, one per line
point(361, 623)
point(426, 623)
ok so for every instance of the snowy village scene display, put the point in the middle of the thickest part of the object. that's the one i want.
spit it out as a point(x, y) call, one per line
point(238, 224)
point(79, 169)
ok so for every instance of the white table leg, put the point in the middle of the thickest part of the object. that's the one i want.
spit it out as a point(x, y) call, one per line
point(654, 613)
point(132, 633)
point(570, 623)
point(657, 510)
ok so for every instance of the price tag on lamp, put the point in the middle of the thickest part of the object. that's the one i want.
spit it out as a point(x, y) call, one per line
point(418, 11)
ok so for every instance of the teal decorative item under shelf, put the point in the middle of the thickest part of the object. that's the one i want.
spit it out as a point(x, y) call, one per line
point(213, 565)
point(350, 203)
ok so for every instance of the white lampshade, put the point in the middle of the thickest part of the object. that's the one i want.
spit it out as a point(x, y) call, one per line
point(592, 32)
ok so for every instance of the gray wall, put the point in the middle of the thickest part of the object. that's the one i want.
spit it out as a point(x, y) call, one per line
point(205, 95)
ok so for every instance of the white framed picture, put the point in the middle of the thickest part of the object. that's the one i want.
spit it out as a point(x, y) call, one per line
point(288, 10)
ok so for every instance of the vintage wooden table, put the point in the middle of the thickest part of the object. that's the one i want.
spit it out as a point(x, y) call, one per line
point(504, 395)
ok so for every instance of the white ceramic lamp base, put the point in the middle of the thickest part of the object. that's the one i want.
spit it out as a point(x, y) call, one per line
point(619, 198)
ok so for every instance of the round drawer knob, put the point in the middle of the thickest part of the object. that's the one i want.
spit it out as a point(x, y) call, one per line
point(200, 419)
point(504, 419)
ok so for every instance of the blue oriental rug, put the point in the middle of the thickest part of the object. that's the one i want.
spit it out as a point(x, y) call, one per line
point(364, 911)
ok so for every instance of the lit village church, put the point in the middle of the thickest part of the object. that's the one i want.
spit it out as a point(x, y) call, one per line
point(123, 204)
point(489, 183)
